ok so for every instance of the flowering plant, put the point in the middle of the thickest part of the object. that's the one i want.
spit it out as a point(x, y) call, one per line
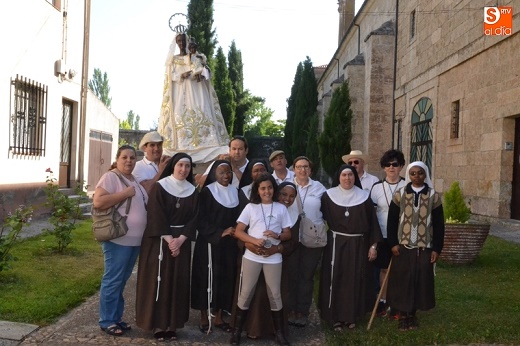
point(14, 222)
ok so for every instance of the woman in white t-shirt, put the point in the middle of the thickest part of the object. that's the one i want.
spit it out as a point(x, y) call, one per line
point(269, 224)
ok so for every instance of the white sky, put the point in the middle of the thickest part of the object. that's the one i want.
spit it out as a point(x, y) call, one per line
point(130, 39)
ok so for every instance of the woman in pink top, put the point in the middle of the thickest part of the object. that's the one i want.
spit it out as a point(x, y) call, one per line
point(120, 254)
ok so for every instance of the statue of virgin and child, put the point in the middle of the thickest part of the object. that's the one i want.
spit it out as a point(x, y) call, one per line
point(191, 120)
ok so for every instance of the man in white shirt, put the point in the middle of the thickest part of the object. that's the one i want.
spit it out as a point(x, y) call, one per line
point(148, 170)
point(357, 160)
point(278, 162)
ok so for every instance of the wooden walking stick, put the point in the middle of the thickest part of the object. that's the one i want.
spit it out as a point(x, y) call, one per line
point(379, 295)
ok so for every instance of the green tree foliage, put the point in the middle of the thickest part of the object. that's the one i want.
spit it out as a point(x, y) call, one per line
point(242, 98)
point(224, 90)
point(291, 112)
point(247, 102)
point(306, 102)
point(130, 123)
point(258, 120)
point(99, 86)
point(334, 141)
point(455, 208)
point(313, 151)
point(200, 15)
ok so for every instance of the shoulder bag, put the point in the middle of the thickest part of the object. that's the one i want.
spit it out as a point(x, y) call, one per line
point(108, 223)
point(311, 235)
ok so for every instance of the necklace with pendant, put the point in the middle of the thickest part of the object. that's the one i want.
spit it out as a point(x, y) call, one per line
point(178, 204)
point(347, 213)
point(267, 243)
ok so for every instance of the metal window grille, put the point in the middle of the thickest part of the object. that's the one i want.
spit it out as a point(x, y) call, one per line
point(27, 128)
point(455, 119)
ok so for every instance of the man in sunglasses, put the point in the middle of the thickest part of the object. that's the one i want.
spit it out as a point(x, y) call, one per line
point(357, 160)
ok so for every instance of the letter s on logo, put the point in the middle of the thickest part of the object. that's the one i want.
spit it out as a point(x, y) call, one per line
point(491, 15)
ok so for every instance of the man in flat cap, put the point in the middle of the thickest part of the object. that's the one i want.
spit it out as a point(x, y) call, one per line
point(357, 160)
point(148, 170)
point(278, 162)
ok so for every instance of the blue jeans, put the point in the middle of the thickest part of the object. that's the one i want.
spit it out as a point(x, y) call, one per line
point(119, 263)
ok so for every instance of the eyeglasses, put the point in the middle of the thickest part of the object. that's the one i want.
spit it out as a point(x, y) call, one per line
point(393, 164)
point(353, 162)
point(414, 173)
point(301, 167)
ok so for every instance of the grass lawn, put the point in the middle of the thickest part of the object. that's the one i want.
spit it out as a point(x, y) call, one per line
point(479, 303)
point(44, 285)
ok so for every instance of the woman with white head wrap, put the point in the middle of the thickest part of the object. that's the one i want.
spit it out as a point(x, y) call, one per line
point(163, 279)
point(215, 254)
point(346, 282)
point(416, 237)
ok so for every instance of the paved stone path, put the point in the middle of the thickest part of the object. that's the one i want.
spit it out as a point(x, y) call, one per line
point(79, 327)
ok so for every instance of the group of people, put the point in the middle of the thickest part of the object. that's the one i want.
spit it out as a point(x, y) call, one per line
point(248, 258)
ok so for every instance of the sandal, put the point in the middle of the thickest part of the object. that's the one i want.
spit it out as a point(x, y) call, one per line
point(114, 330)
point(160, 336)
point(124, 326)
point(337, 327)
point(225, 327)
point(171, 335)
point(204, 328)
point(412, 323)
point(403, 324)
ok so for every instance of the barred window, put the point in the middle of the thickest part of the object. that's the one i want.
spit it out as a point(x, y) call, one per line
point(455, 119)
point(28, 117)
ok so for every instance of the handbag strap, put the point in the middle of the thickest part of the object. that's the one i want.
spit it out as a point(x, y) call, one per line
point(299, 202)
point(129, 199)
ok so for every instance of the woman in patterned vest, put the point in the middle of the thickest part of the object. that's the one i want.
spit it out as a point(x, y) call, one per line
point(416, 236)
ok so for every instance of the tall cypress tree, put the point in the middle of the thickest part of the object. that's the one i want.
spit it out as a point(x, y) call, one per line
point(224, 89)
point(236, 75)
point(200, 15)
point(291, 112)
point(313, 151)
point(334, 141)
point(306, 103)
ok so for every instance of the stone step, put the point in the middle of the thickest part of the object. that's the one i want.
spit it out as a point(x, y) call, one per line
point(508, 224)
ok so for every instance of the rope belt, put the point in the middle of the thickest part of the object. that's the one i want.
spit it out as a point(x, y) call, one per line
point(334, 233)
point(210, 285)
point(160, 260)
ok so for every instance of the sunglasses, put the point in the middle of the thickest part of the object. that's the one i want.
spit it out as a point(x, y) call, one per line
point(414, 173)
point(354, 162)
point(393, 164)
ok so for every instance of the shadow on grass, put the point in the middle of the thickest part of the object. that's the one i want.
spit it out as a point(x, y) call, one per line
point(476, 303)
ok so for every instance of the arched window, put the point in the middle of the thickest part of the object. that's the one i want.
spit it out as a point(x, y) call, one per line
point(421, 139)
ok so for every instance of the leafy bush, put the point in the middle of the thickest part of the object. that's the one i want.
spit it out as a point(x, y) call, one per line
point(14, 223)
point(455, 208)
point(64, 211)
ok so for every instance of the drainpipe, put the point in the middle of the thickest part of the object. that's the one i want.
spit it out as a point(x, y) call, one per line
point(84, 91)
point(395, 71)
